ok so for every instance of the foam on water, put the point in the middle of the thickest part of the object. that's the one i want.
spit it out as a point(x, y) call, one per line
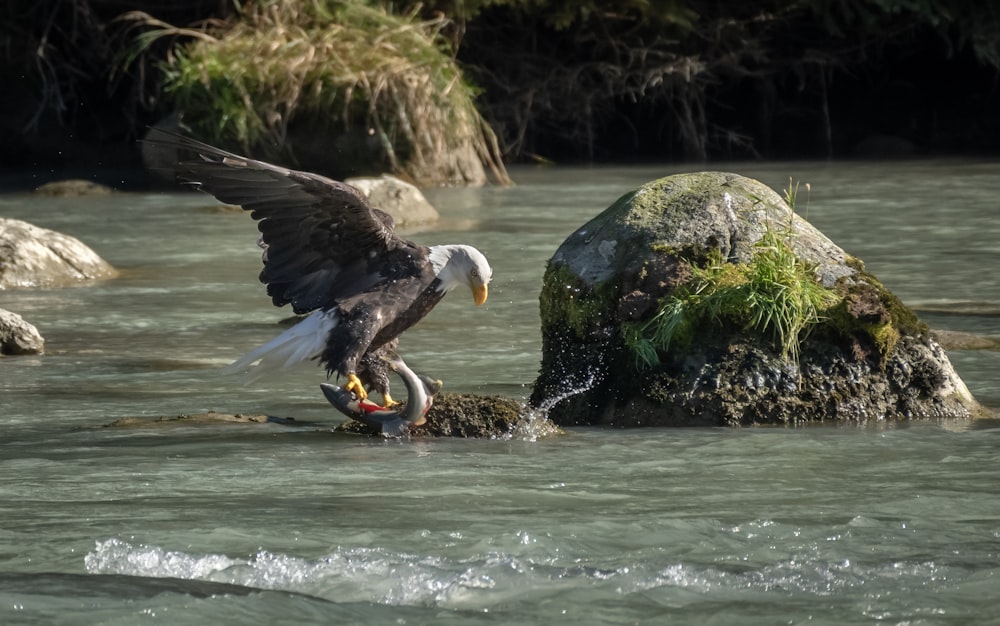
point(495, 579)
point(347, 574)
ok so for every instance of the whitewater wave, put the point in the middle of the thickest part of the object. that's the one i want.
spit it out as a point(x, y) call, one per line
point(350, 574)
point(504, 579)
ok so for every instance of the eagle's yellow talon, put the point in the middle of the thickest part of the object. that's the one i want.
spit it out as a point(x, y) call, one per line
point(354, 386)
point(388, 401)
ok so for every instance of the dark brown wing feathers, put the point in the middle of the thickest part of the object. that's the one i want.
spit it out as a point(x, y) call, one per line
point(322, 240)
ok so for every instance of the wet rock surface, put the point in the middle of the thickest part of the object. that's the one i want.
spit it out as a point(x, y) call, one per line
point(869, 357)
point(18, 336)
point(191, 419)
point(37, 257)
point(403, 201)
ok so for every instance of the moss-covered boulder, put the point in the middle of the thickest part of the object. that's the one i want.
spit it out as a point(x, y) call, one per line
point(702, 299)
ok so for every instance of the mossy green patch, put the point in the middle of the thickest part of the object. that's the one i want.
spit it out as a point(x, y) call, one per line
point(565, 300)
point(774, 293)
point(896, 320)
point(664, 200)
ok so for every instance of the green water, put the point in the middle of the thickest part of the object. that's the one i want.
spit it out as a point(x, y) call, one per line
point(290, 523)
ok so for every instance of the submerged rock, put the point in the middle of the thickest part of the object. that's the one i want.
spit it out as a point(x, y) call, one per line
point(958, 340)
point(37, 257)
point(73, 187)
point(661, 311)
point(18, 336)
point(188, 419)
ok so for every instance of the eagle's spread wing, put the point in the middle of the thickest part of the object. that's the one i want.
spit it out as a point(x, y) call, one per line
point(321, 237)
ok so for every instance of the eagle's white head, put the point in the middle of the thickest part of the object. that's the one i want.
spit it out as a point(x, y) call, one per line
point(456, 265)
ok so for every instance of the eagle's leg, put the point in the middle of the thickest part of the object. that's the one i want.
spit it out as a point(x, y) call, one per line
point(354, 386)
point(387, 400)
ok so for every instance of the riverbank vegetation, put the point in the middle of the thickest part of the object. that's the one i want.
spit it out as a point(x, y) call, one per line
point(556, 80)
point(334, 69)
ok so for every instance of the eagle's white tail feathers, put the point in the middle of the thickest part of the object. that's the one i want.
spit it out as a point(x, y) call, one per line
point(305, 340)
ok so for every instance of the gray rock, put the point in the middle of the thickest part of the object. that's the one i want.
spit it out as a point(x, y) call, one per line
point(868, 357)
point(37, 257)
point(18, 336)
point(403, 201)
point(957, 340)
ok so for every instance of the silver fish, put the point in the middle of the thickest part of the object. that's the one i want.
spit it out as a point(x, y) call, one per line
point(420, 392)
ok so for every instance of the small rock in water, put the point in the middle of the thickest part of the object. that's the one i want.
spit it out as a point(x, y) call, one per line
point(18, 336)
point(463, 416)
point(73, 187)
point(211, 417)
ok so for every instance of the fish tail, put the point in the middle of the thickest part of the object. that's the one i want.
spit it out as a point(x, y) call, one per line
point(394, 427)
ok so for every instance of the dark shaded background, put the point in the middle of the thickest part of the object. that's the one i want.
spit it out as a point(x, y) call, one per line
point(808, 79)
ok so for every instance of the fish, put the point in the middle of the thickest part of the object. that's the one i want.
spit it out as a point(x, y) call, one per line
point(393, 422)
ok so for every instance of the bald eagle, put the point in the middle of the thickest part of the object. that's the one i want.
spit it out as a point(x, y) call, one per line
point(329, 253)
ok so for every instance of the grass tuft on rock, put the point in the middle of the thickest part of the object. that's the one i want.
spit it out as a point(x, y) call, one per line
point(775, 293)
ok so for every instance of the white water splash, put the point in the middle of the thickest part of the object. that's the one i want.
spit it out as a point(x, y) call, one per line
point(572, 389)
point(119, 557)
point(525, 572)
point(350, 574)
point(534, 423)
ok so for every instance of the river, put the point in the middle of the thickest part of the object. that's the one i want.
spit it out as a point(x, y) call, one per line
point(287, 522)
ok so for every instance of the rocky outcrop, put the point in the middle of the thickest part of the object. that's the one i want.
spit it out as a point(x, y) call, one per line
point(403, 201)
point(36, 257)
point(18, 336)
point(670, 308)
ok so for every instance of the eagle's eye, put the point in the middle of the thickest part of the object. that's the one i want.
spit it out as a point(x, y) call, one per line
point(475, 273)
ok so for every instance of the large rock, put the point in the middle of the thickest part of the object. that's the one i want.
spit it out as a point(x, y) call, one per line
point(37, 257)
point(18, 336)
point(866, 356)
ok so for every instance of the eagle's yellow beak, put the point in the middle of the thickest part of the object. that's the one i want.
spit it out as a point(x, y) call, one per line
point(479, 293)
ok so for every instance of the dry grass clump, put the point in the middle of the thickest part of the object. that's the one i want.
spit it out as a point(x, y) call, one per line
point(334, 64)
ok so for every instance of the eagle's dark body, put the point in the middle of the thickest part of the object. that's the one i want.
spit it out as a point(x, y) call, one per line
point(326, 252)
